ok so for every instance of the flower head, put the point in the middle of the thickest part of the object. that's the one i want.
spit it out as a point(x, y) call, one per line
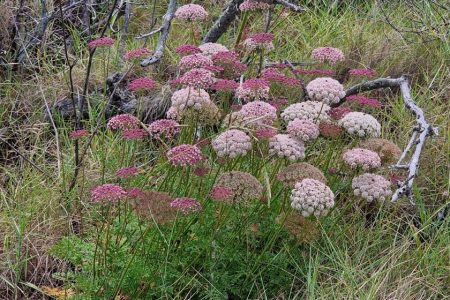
point(186, 205)
point(265, 133)
point(191, 12)
point(362, 158)
point(184, 155)
point(135, 193)
point(311, 196)
point(225, 85)
point(252, 5)
point(308, 110)
point(282, 145)
point(142, 84)
point(124, 121)
point(221, 193)
point(330, 130)
point(364, 101)
point(274, 75)
point(198, 78)
point(244, 186)
point(195, 61)
point(325, 89)
point(371, 187)
point(79, 133)
point(230, 63)
point(134, 134)
point(254, 88)
point(328, 54)
point(258, 113)
point(339, 112)
point(305, 130)
point(107, 193)
point(101, 42)
point(155, 207)
point(210, 49)
point(261, 41)
point(187, 49)
point(361, 124)
point(362, 72)
point(232, 143)
point(127, 172)
point(388, 151)
point(164, 128)
point(296, 172)
point(137, 53)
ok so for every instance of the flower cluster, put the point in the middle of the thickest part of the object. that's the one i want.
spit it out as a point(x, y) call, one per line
point(274, 75)
point(254, 88)
point(230, 63)
point(296, 172)
point(305, 130)
point(210, 49)
point(244, 186)
point(252, 5)
point(78, 133)
point(137, 53)
point(325, 89)
point(224, 85)
point(265, 133)
point(362, 72)
point(362, 158)
point(339, 112)
point(371, 187)
point(134, 134)
point(316, 72)
point(308, 110)
point(195, 61)
point(262, 41)
point(191, 12)
point(187, 49)
point(127, 172)
point(186, 205)
point(101, 42)
point(328, 54)
point(311, 196)
point(232, 143)
point(387, 150)
point(155, 207)
point(330, 130)
point(190, 98)
point(124, 121)
point(198, 78)
point(364, 101)
point(361, 124)
point(221, 193)
point(164, 128)
point(141, 84)
point(184, 155)
point(282, 145)
point(258, 113)
point(108, 193)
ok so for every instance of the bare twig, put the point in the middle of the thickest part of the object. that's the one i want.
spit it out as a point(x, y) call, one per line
point(126, 24)
point(292, 6)
point(159, 51)
point(149, 34)
point(422, 130)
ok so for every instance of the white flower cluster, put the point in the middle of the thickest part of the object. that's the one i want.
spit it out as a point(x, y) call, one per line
point(232, 143)
point(311, 196)
point(361, 124)
point(325, 89)
point(283, 145)
point(371, 187)
point(308, 110)
point(304, 130)
point(358, 157)
point(209, 49)
point(190, 97)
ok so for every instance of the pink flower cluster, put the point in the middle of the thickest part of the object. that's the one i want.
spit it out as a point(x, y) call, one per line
point(191, 12)
point(310, 196)
point(79, 133)
point(232, 143)
point(273, 75)
point(254, 88)
point(339, 112)
point(220, 193)
point(210, 49)
point(124, 121)
point(127, 172)
point(100, 42)
point(164, 128)
point(316, 72)
point(187, 49)
point(364, 101)
point(362, 72)
point(265, 133)
point(108, 193)
point(252, 5)
point(186, 205)
point(184, 155)
point(258, 113)
point(326, 90)
point(230, 63)
point(224, 85)
point(305, 130)
point(134, 134)
point(311, 110)
point(198, 78)
point(137, 53)
point(283, 145)
point(371, 187)
point(195, 61)
point(259, 41)
point(279, 103)
point(189, 97)
point(135, 193)
point(328, 54)
point(141, 84)
point(363, 158)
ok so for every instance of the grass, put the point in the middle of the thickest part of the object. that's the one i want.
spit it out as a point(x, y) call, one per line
point(205, 256)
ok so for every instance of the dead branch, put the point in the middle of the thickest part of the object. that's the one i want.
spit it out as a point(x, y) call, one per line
point(290, 5)
point(421, 131)
point(165, 28)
